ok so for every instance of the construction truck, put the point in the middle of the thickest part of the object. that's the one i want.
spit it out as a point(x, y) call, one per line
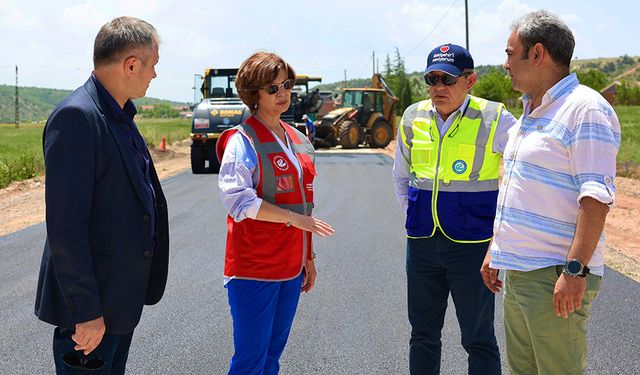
point(365, 117)
point(221, 109)
point(303, 102)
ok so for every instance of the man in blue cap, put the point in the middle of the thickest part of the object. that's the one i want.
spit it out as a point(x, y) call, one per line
point(445, 176)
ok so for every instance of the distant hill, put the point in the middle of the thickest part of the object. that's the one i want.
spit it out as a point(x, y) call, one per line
point(37, 103)
point(615, 68)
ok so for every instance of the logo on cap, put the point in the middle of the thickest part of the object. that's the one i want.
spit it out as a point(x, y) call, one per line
point(459, 166)
point(444, 49)
point(280, 163)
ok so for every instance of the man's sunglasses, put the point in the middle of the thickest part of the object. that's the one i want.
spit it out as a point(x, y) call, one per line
point(447, 80)
point(274, 88)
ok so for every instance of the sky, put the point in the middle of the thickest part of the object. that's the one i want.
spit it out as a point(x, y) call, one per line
point(52, 41)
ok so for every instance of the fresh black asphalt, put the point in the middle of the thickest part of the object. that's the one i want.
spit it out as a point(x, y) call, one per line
point(354, 322)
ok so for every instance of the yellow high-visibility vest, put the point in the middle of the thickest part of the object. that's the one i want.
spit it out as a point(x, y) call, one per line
point(453, 181)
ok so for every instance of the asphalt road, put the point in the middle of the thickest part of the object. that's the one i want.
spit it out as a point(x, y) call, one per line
point(354, 322)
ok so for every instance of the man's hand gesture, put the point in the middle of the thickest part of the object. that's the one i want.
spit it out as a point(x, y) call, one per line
point(568, 293)
point(490, 275)
point(89, 335)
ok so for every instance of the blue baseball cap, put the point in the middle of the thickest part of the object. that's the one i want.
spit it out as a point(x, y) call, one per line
point(449, 58)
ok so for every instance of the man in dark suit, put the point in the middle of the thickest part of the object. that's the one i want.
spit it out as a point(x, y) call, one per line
point(107, 247)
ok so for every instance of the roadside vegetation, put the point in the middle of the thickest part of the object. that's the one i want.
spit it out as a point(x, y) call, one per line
point(162, 110)
point(21, 148)
point(173, 129)
point(629, 154)
point(20, 152)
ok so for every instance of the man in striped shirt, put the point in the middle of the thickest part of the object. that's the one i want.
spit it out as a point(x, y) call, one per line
point(560, 161)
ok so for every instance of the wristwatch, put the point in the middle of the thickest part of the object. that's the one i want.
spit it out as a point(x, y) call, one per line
point(575, 268)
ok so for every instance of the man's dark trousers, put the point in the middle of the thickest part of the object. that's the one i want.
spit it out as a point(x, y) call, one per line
point(435, 267)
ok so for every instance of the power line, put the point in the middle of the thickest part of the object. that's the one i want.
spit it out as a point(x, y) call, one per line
point(17, 105)
point(432, 30)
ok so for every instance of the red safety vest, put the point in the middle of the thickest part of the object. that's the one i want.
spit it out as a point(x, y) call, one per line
point(262, 250)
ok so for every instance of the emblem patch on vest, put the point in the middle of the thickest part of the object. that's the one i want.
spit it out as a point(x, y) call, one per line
point(284, 184)
point(459, 166)
point(281, 163)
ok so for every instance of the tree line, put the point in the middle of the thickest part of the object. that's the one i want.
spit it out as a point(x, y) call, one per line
point(161, 110)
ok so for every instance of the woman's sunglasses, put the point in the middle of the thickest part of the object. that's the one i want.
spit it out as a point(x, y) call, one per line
point(274, 88)
point(447, 80)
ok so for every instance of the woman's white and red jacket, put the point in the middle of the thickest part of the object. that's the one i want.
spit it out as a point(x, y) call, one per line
point(261, 250)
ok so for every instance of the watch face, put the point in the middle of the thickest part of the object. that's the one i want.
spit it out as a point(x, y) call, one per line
point(574, 267)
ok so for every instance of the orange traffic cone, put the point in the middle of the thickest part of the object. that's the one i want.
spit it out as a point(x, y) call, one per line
point(163, 144)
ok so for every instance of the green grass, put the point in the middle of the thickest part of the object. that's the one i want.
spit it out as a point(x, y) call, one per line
point(20, 152)
point(173, 129)
point(629, 154)
point(21, 148)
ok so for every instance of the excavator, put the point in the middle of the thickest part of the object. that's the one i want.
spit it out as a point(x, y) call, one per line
point(365, 118)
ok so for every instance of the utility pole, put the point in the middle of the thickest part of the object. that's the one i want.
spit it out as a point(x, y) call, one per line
point(373, 63)
point(466, 19)
point(17, 101)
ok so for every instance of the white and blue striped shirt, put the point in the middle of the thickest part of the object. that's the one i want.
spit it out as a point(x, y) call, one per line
point(560, 152)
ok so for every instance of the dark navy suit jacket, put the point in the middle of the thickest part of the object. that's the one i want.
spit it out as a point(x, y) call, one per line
point(99, 256)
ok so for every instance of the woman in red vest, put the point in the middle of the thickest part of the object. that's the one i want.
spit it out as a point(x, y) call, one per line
point(266, 183)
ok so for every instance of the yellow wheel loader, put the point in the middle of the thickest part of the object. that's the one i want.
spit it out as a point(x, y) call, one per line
point(365, 117)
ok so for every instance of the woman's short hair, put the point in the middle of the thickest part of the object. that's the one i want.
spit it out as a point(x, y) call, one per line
point(121, 35)
point(257, 71)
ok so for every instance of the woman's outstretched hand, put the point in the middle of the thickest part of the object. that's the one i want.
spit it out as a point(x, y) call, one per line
point(313, 225)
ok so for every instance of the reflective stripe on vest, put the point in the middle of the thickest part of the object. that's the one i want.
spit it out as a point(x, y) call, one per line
point(455, 176)
point(273, 180)
point(261, 250)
